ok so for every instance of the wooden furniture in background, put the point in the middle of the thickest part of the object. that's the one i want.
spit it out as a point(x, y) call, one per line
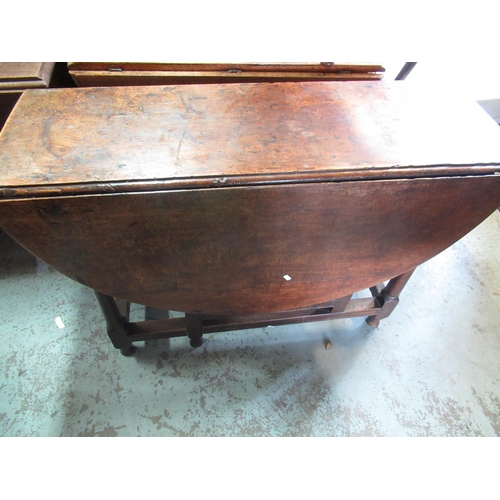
point(244, 204)
point(16, 77)
point(25, 75)
point(98, 74)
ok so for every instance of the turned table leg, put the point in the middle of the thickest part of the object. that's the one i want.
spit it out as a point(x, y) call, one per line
point(194, 327)
point(389, 297)
point(116, 323)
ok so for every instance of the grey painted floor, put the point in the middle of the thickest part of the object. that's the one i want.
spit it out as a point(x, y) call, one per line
point(431, 369)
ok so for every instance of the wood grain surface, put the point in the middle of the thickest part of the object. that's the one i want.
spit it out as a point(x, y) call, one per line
point(138, 78)
point(321, 189)
point(218, 135)
point(245, 250)
point(98, 74)
point(326, 67)
point(10, 71)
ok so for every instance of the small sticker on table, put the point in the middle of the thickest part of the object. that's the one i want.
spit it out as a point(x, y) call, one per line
point(286, 277)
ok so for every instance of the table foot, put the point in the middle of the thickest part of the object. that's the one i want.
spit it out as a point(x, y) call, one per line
point(129, 351)
point(196, 342)
point(373, 321)
point(194, 327)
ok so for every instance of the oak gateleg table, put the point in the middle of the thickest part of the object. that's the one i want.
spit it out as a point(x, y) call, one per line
point(244, 205)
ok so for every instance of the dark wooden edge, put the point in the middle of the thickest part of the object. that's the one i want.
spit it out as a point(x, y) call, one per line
point(326, 67)
point(142, 78)
point(129, 74)
point(340, 175)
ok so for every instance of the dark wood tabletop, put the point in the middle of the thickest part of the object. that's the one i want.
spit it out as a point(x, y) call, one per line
point(129, 138)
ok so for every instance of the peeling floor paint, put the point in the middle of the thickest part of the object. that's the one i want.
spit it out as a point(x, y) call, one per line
point(431, 369)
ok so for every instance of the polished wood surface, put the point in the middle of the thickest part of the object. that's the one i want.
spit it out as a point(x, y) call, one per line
point(244, 199)
point(230, 250)
point(73, 141)
point(96, 74)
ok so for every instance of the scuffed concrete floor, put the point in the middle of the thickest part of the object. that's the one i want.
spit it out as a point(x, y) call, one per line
point(431, 369)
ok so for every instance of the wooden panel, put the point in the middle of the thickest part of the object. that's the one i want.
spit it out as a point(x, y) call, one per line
point(137, 78)
point(16, 77)
point(219, 135)
point(25, 75)
point(130, 73)
point(20, 71)
point(229, 250)
point(327, 67)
